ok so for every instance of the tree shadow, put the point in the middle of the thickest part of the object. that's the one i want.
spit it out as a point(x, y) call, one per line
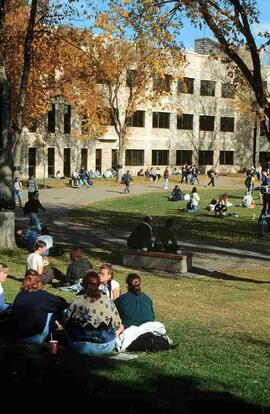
point(224, 276)
point(87, 379)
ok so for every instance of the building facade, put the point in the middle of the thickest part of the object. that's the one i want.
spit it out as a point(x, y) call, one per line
point(197, 123)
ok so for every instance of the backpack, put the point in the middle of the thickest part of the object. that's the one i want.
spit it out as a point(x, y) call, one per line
point(149, 342)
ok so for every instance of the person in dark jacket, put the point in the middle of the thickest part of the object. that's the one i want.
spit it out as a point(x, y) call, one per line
point(142, 235)
point(31, 208)
point(166, 239)
point(34, 311)
point(176, 194)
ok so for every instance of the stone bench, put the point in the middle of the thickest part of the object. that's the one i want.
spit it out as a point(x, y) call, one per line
point(169, 262)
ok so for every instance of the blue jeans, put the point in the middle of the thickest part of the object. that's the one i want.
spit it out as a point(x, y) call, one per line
point(19, 196)
point(34, 221)
point(39, 338)
point(92, 348)
point(262, 221)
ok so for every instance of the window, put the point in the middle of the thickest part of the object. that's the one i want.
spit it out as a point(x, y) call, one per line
point(226, 157)
point(263, 157)
point(32, 160)
point(207, 123)
point(131, 77)
point(85, 125)
point(114, 159)
point(183, 157)
point(67, 119)
point(226, 124)
point(134, 157)
point(160, 157)
point(161, 120)
point(84, 158)
point(162, 84)
point(137, 119)
point(185, 121)
point(99, 160)
point(51, 162)
point(51, 120)
point(207, 88)
point(227, 90)
point(185, 86)
point(206, 157)
point(66, 166)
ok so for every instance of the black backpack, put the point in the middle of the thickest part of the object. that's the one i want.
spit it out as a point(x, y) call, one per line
point(149, 342)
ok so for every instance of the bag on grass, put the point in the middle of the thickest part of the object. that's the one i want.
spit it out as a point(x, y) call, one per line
point(149, 342)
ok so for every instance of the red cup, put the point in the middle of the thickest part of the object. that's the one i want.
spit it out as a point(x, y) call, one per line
point(53, 347)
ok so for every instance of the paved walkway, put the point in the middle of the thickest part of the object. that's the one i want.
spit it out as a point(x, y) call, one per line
point(209, 259)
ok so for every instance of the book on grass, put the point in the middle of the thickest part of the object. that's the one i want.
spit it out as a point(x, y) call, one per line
point(124, 357)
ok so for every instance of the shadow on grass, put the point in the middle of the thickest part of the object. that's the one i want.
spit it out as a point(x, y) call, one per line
point(225, 276)
point(69, 380)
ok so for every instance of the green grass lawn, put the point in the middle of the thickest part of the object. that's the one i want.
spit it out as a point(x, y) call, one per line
point(221, 326)
point(123, 213)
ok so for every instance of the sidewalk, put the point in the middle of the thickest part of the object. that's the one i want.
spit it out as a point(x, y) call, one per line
point(208, 257)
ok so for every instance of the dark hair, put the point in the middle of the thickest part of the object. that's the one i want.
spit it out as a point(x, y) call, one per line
point(147, 219)
point(76, 253)
point(131, 277)
point(39, 244)
point(213, 201)
point(44, 230)
point(194, 190)
point(91, 285)
point(32, 281)
point(169, 222)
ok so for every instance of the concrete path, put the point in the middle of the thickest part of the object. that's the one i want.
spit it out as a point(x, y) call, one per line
point(209, 259)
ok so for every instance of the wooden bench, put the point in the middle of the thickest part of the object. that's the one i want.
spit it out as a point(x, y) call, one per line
point(169, 262)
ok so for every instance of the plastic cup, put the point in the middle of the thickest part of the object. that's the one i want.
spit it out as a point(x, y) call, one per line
point(178, 251)
point(53, 347)
point(145, 249)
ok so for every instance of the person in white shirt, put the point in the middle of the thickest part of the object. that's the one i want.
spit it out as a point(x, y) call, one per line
point(108, 285)
point(194, 200)
point(35, 261)
point(18, 190)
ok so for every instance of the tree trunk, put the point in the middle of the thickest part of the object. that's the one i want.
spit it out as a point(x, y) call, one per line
point(121, 161)
point(7, 216)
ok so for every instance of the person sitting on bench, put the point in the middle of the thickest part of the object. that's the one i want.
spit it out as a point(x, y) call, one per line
point(142, 235)
point(166, 239)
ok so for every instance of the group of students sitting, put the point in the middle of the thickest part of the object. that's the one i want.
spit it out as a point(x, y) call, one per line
point(98, 320)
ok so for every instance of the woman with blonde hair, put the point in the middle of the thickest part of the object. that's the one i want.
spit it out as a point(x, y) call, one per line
point(108, 285)
point(34, 311)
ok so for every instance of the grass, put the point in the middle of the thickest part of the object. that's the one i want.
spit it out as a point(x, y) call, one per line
point(122, 214)
point(221, 326)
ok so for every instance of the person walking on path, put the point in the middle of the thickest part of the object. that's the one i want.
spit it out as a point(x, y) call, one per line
point(211, 174)
point(18, 191)
point(126, 179)
point(31, 208)
point(32, 187)
point(166, 178)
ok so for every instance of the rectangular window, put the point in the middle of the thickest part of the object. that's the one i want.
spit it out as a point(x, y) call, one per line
point(208, 88)
point(160, 157)
point(84, 158)
point(51, 119)
point(185, 85)
point(183, 157)
point(32, 161)
point(227, 90)
point(161, 120)
point(206, 157)
point(207, 123)
point(137, 119)
point(162, 84)
point(185, 121)
point(51, 162)
point(226, 157)
point(131, 77)
point(114, 159)
point(226, 124)
point(134, 157)
point(66, 165)
point(67, 119)
point(98, 160)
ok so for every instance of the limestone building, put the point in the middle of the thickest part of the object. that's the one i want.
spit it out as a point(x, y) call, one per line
point(209, 131)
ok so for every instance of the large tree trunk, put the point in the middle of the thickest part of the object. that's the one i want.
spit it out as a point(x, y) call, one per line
point(7, 216)
point(121, 160)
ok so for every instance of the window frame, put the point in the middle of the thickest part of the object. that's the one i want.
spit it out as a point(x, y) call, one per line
point(161, 120)
point(206, 84)
point(225, 125)
point(134, 157)
point(223, 155)
point(203, 119)
point(183, 122)
point(159, 155)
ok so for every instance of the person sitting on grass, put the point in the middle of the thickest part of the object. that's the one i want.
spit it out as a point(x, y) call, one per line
point(36, 261)
point(166, 239)
point(108, 285)
point(34, 311)
point(176, 194)
point(3, 275)
point(212, 204)
point(248, 201)
point(220, 209)
point(142, 332)
point(76, 270)
point(193, 204)
point(92, 320)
